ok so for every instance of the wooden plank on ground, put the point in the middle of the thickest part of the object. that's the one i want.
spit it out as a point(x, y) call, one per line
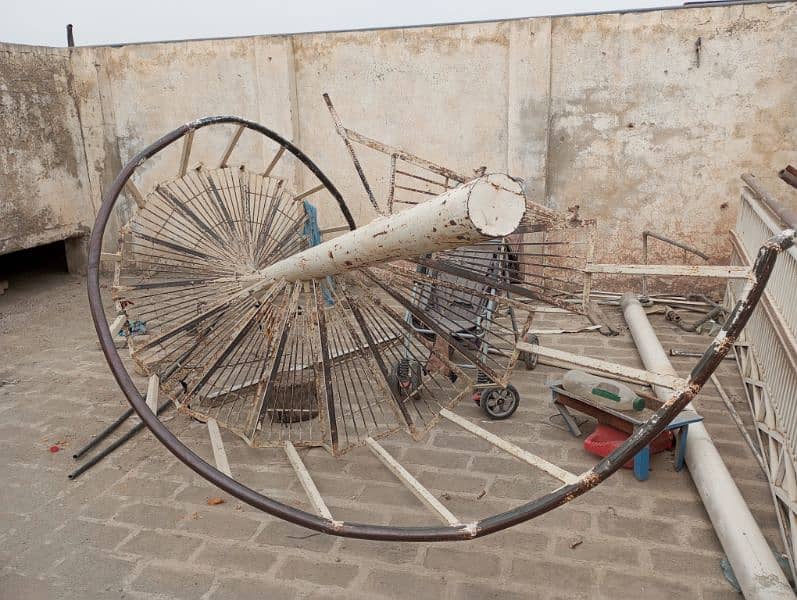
point(516, 451)
point(219, 455)
point(568, 360)
point(716, 271)
point(307, 482)
point(411, 483)
point(153, 389)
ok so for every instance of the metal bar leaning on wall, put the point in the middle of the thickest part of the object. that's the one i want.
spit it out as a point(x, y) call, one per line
point(650, 234)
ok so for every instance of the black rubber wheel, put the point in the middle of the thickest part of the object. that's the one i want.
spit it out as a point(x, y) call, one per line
point(500, 403)
point(529, 358)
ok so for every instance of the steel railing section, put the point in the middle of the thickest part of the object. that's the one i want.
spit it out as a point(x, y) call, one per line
point(754, 225)
point(766, 354)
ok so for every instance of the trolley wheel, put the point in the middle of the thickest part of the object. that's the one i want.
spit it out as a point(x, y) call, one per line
point(406, 377)
point(530, 359)
point(500, 403)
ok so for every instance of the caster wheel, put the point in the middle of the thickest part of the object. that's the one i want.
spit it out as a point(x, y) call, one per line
point(529, 358)
point(406, 377)
point(500, 403)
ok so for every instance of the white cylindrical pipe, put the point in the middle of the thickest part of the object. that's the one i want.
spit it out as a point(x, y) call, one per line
point(749, 554)
point(484, 208)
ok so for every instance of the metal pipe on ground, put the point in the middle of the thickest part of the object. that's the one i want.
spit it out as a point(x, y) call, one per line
point(754, 565)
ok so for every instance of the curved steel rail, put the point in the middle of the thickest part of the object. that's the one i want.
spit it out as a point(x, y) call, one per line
point(586, 481)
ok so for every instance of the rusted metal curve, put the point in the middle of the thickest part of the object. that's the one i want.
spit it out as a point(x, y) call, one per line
point(711, 359)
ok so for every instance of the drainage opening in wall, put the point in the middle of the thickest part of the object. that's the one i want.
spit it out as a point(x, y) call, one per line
point(40, 260)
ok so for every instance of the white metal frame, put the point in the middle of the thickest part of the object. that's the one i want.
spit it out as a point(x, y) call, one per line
point(766, 355)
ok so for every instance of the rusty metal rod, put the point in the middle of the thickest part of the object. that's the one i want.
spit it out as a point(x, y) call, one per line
point(690, 354)
point(104, 433)
point(646, 234)
point(137, 428)
point(125, 415)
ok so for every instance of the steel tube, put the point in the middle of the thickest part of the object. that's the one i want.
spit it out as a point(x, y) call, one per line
point(758, 573)
point(482, 209)
point(115, 445)
point(104, 433)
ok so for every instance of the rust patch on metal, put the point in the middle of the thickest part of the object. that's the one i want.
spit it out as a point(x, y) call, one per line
point(589, 480)
point(726, 344)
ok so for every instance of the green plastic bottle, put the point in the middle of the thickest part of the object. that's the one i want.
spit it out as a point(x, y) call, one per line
point(606, 392)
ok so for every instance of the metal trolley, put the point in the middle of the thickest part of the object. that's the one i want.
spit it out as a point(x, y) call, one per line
point(466, 317)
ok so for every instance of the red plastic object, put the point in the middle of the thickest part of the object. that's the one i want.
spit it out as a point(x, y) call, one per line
point(54, 449)
point(605, 440)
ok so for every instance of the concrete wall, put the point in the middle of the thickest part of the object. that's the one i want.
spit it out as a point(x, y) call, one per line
point(142, 92)
point(646, 134)
point(617, 113)
point(44, 193)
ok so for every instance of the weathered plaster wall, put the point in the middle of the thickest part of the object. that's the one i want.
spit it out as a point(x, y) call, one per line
point(611, 112)
point(143, 92)
point(44, 196)
point(647, 133)
point(440, 92)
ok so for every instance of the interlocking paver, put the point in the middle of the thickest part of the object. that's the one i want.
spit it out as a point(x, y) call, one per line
point(478, 591)
point(173, 581)
point(318, 572)
point(564, 576)
point(249, 559)
point(97, 535)
point(89, 570)
point(254, 589)
point(221, 523)
point(404, 584)
point(149, 544)
point(152, 516)
point(594, 549)
point(280, 533)
point(622, 584)
point(353, 550)
point(445, 558)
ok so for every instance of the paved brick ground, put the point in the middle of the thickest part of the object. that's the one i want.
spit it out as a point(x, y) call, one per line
point(138, 525)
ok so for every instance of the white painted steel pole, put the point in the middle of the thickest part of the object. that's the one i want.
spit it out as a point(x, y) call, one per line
point(484, 208)
point(754, 565)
